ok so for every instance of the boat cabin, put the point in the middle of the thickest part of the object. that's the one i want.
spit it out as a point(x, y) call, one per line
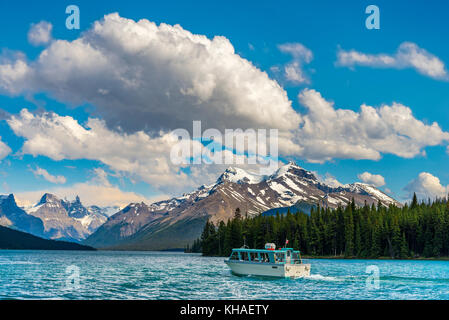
point(273, 256)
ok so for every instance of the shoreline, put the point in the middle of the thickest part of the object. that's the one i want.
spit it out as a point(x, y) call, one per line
point(445, 258)
point(379, 258)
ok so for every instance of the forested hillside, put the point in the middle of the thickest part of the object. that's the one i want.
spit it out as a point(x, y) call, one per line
point(13, 239)
point(415, 230)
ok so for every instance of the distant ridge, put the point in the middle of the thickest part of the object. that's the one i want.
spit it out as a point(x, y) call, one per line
point(300, 206)
point(18, 240)
point(176, 222)
point(53, 218)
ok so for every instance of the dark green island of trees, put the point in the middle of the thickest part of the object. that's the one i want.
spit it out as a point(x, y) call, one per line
point(18, 240)
point(418, 230)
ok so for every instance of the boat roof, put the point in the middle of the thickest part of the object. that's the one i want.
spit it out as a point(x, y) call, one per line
point(265, 250)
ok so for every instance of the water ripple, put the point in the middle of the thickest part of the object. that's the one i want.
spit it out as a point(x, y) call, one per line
point(159, 275)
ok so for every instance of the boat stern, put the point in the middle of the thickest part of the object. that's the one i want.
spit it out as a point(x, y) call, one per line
point(297, 270)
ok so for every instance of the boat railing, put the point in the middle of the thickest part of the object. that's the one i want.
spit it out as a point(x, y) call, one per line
point(266, 256)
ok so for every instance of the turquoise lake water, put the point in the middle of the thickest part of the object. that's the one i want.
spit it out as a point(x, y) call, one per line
point(163, 275)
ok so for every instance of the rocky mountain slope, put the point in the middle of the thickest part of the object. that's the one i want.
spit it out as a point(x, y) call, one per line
point(175, 222)
point(54, 218)
point(67, 220)
point(14, 217)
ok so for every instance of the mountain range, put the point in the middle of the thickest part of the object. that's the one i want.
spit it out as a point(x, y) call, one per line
point(178, 221)
point(53, 218)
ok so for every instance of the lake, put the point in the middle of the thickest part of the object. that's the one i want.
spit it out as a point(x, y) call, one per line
point(173, 275)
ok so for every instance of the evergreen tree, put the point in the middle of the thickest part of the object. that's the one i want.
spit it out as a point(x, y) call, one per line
point(349, 231)
point(421, 229)
point(414, 201)
point(404, 248)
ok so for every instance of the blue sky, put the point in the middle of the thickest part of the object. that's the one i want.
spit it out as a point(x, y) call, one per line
point(255, 29)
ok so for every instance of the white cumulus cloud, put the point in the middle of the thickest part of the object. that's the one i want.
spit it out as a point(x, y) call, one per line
point(426, 186)
point(137, 155)
point(373, 179)
point(147, 79)
point(4, 149)
point(14, 74)
point(293, 71)
point(40, 33)
point(330, 180)
point(59, 137)
point(97, 191)
point(327, 132)
point(143, 76)
point(408, 55)
point(297, 50)
point(49, 177)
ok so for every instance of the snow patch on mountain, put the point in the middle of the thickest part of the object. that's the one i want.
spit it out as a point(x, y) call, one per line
point(237, 175)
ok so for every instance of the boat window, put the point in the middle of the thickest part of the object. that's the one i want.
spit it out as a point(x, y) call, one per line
point(234, 256)
point(264, 256)
point(295, 256)
point(279, 257)
point(244, 256)
point(254, 256)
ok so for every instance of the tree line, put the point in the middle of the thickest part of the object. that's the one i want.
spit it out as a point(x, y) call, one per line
point(414, 230)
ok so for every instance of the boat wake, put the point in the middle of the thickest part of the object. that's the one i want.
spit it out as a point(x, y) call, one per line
point(413, 279)
point(319, 277)
point(17, 262)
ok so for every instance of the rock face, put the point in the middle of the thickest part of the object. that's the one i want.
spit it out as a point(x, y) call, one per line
point(66, 220)
point(57, 222)
point(96, 216)
point(176, 222)
point(53, 218)
point(125, 223)
point(16, 218)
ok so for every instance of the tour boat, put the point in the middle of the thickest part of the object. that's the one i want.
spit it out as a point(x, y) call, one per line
point(268, 262)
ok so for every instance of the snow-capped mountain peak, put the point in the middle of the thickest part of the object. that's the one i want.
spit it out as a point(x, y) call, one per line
point(48, 198)
point(241, 176)
point(183, 218)
point(292, 169)
point(237, 175)
point(289, 184)
point(370, 190)
point(64, 219)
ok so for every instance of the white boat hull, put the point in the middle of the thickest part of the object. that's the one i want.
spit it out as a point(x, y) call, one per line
point(269, 269)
